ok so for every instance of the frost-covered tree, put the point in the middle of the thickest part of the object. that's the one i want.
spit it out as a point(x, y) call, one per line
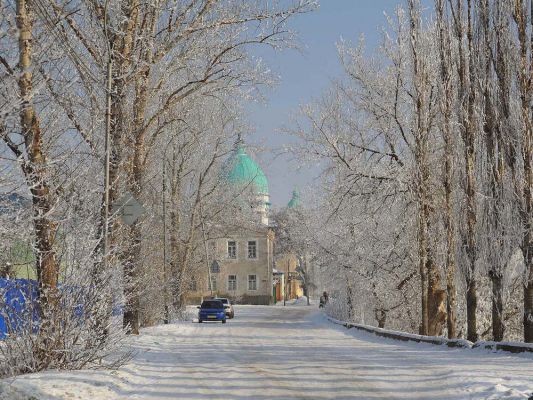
point(158, 83)
point(425, 162)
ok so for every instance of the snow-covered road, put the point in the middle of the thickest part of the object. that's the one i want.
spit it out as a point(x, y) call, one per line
point(286, 353)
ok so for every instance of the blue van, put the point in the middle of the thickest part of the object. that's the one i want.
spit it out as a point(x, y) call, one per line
point(212, 310)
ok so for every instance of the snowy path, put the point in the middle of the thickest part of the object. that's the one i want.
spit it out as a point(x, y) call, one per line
point(286, 353)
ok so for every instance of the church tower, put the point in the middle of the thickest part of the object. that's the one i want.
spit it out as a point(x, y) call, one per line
point(243, 171)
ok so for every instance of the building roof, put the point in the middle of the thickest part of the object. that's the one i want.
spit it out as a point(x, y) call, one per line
point(295, 201)
point(242, 170)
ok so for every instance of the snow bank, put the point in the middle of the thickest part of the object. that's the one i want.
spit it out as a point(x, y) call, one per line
point(512, 347)
point(11, 392)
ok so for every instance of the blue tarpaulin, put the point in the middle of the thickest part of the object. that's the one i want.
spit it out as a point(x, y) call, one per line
point(18, 311)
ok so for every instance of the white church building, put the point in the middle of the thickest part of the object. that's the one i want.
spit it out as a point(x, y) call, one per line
point(242, 261)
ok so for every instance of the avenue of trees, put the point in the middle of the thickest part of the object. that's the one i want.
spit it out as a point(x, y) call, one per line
point(423, 220)
point(160, 84)
point(426, 212)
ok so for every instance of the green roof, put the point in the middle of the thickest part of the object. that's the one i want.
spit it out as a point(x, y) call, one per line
point(295, 200)
point(242, 170)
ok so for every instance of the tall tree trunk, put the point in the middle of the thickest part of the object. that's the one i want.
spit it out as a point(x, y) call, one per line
point(349, 300)
point(122, 49)
point(522, 17)
point(436, 300)
point(467, 96)
point(175, 227)
point(422, 260)
point(498, 326)
point(528, 297)
point(381, 317)
point(422, 177)
point(451, 292)
point(138, 162)
point(471, 307)
point(35, 169)
point(131, 260)
point(527, 215)
point(495, 224)
point(446, 109)
point(186, 254)
point(527, 243)
point(470, 156)
point(120, 46)
point(498, 132)
point(132, 254)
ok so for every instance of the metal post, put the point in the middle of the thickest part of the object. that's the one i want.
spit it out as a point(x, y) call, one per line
point(166, 318)
point(210, 283)
point(289, 291)
point(284, 290)
point(109, 88)
point(287, 283)
point(107, 160)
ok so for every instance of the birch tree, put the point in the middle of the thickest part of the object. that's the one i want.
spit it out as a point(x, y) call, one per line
point(27, 142)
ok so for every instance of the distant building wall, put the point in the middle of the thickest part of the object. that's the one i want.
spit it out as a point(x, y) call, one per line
point(287, 264)
point(240, 276)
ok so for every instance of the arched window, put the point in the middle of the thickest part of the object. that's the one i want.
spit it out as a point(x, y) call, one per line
point(215, 267)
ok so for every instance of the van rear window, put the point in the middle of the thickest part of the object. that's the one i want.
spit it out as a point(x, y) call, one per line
point(212, 304)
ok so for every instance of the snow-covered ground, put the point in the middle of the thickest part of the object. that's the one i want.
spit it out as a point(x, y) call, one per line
point(281, 353)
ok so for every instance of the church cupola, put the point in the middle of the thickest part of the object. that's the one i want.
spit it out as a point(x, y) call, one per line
point(242, 170)
point(295, 201)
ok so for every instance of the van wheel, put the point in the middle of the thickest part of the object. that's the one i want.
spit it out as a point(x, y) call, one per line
point(200, 321)
point(223, 321)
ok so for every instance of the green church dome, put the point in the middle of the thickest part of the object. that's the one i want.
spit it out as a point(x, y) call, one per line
point(295, 200)
point(242, 170)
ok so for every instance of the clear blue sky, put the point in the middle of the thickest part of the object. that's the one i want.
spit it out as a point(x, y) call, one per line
point(304, 75)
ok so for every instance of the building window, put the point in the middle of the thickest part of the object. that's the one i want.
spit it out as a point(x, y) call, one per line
point(232, 282)
point(215, 267)
point(192, 286)
point(212, 283)
point(252, 282)
point(252, 249)
point(232, 249)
